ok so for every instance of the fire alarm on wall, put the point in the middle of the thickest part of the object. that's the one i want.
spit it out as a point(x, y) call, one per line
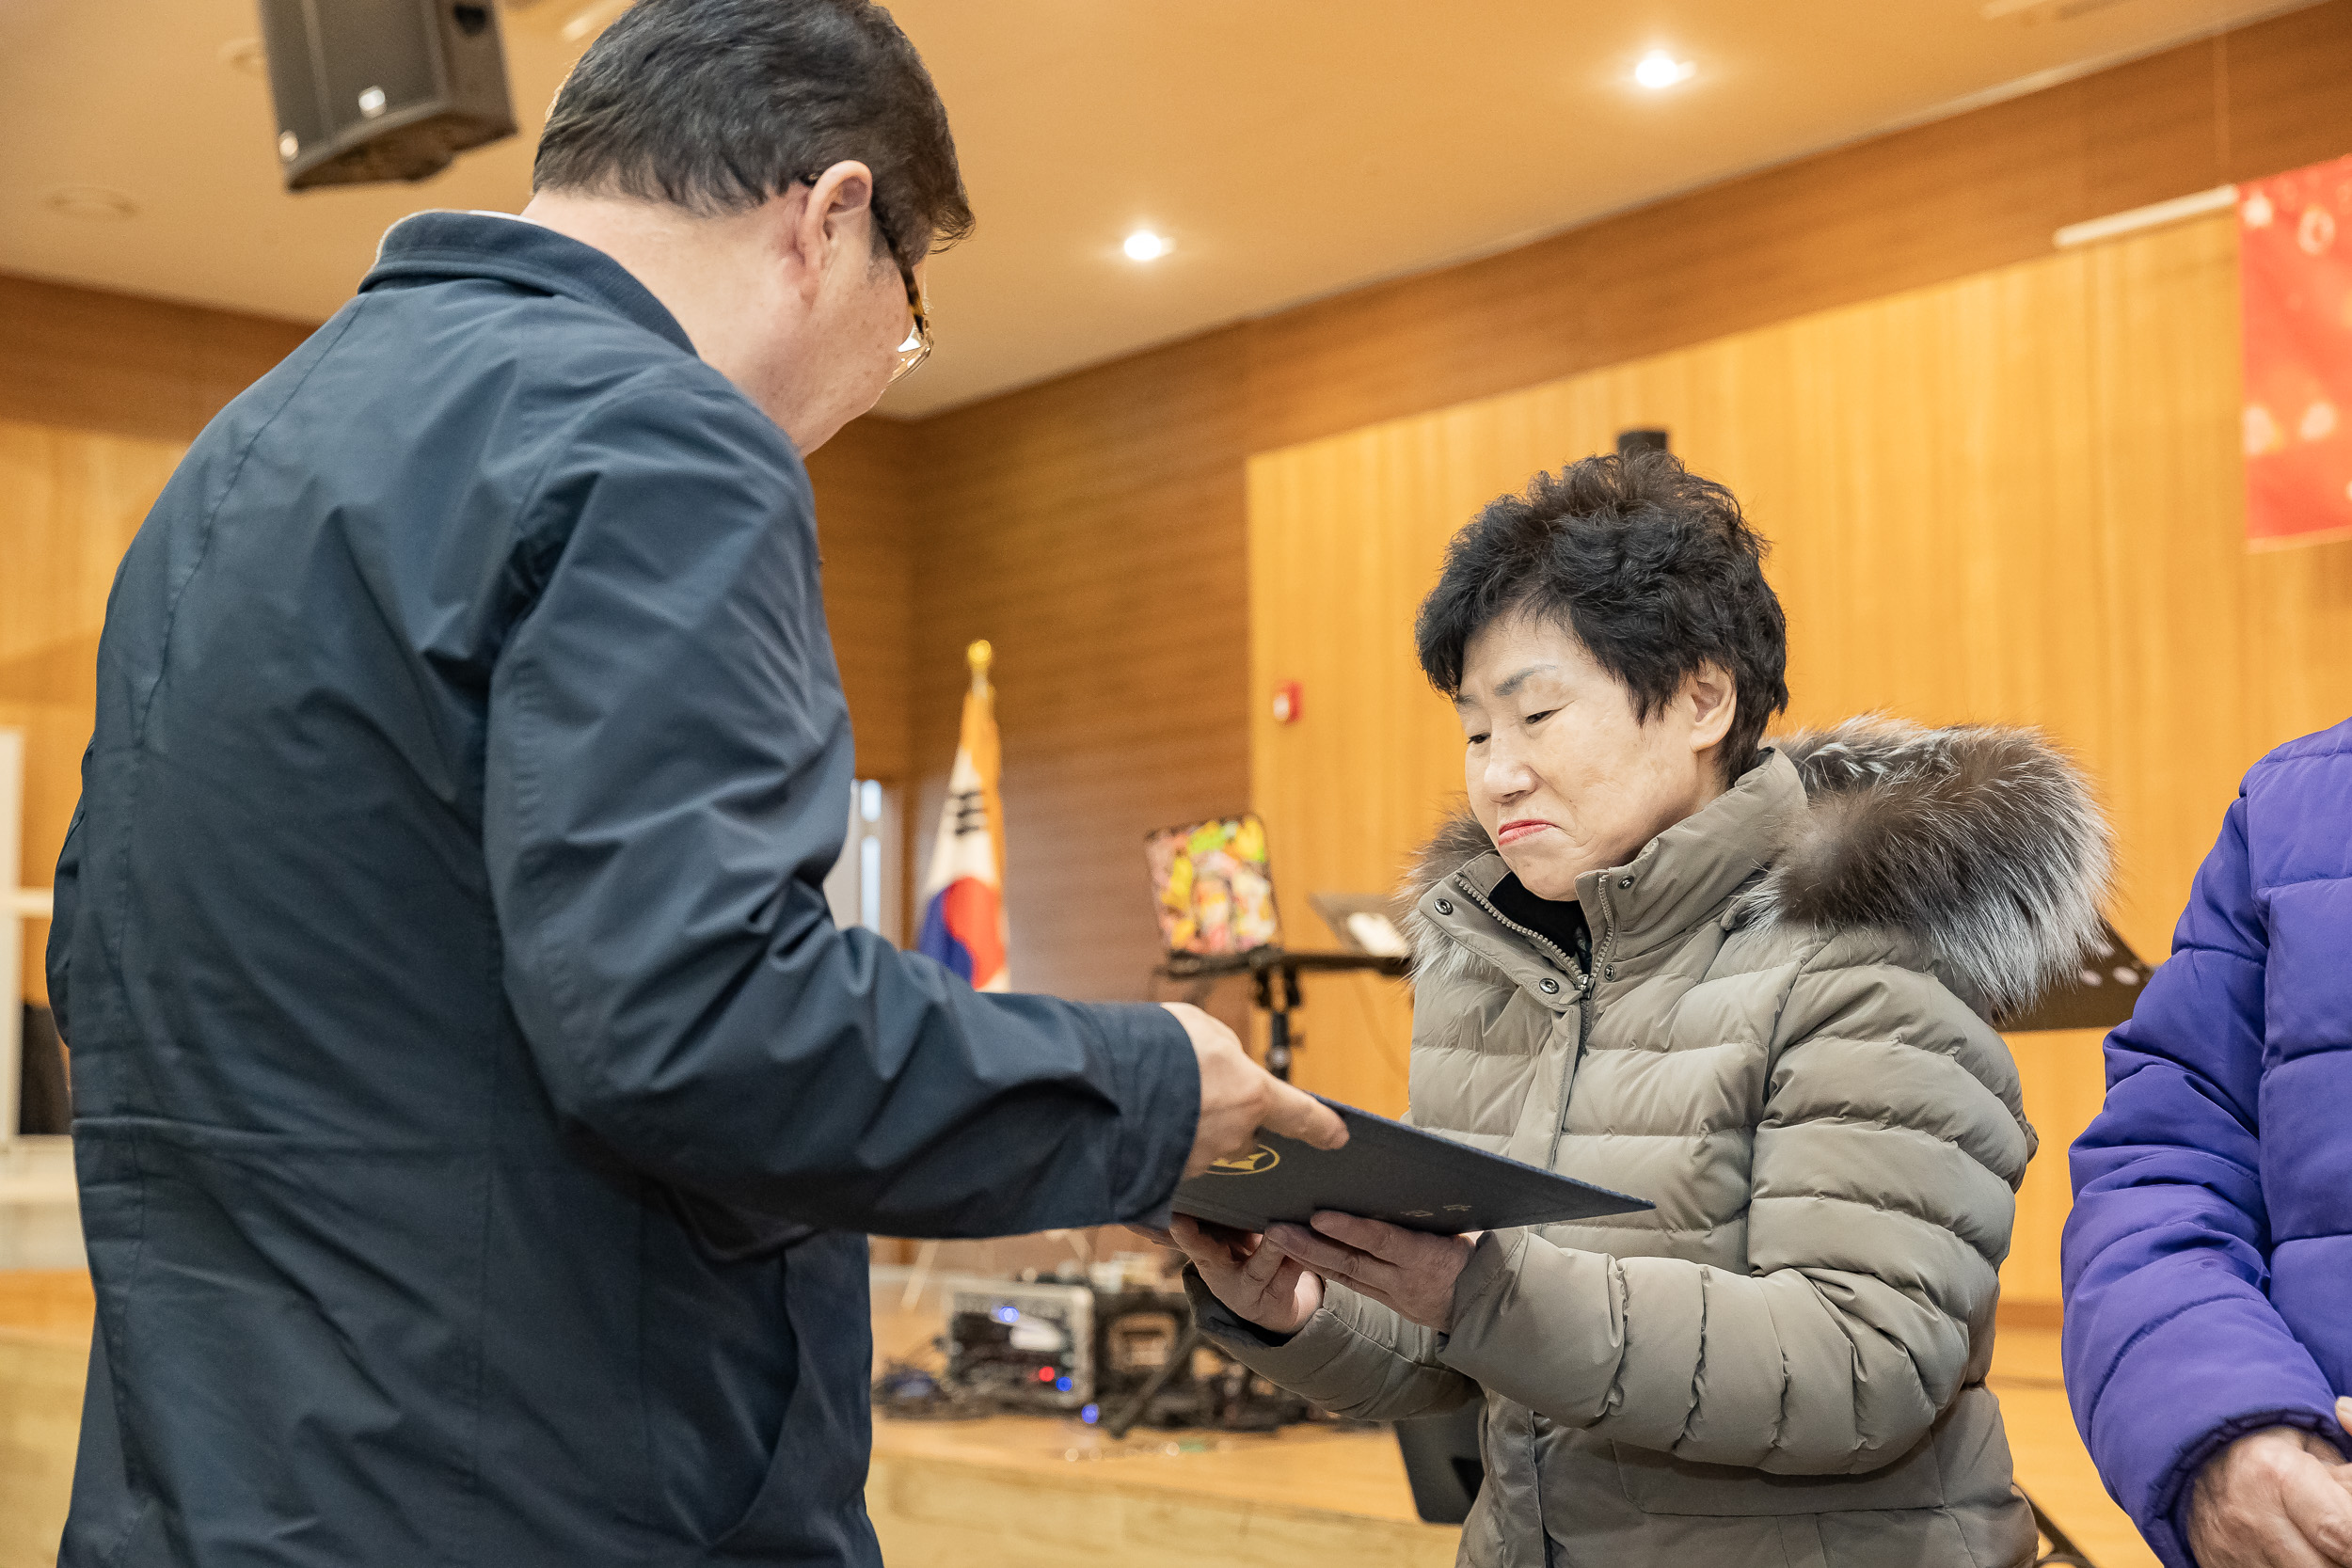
point(1286, 703)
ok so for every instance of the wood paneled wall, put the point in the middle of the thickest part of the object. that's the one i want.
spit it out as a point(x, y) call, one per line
point(1129, 473)
point(864, 480)
point(1092, 530)
point(85, 359)
point(2015, 498)
point(70, 502)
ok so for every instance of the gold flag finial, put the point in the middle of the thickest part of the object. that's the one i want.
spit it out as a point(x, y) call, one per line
point(978, 655)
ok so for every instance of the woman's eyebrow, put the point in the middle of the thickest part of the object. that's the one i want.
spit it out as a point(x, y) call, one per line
point(1504, 689)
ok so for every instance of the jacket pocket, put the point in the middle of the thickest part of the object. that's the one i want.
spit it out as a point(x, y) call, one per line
point(1661, 1484)
point(810, 1507)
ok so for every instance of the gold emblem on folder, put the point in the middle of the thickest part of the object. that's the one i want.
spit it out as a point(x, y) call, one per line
point(1257, 1160)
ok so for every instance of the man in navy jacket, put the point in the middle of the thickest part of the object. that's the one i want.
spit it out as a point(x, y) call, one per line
point(477, 1111)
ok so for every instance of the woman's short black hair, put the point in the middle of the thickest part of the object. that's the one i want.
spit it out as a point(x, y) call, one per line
point(717, 106)
point(1650, 567)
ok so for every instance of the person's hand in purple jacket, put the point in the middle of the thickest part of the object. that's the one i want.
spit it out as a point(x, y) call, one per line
point(2280, 1498)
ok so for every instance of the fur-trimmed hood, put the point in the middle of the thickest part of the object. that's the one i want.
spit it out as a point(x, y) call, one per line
point(1982, 841)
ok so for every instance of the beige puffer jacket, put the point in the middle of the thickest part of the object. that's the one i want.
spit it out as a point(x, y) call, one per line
point(1786, 1048)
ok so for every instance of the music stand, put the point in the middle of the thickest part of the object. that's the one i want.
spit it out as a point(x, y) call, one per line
point(2100, 996)
point(1274, 973)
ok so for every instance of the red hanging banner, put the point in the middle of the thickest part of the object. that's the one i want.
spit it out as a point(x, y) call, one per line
point(2295, 293)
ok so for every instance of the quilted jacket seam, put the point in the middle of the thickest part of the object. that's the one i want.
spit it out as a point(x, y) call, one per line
point(1698, 1370)
point(1901, 1211)
point(2142, 1332)
point(2301, 882)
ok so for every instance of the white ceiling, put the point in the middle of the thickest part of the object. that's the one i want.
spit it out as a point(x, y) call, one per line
point(1290, 150)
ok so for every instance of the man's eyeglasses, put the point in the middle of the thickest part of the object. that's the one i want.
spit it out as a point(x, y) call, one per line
point(917, 346)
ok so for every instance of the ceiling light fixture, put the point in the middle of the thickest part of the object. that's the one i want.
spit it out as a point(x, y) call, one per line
point(91, 201)
point(1658, 70)
point(1144, 246)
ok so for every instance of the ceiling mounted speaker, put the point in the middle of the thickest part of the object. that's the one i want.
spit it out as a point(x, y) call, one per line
point(382, 90)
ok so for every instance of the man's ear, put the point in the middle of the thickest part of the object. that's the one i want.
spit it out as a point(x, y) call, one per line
point(835, 212)
point(1714, 701)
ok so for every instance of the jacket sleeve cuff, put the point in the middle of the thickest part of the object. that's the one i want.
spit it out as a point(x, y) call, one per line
point(1337, 1358)
point(1539, 1324)
point(2167, 1535)
point(1269, 1354)
point(2150, 1449)
point(1157, 1081)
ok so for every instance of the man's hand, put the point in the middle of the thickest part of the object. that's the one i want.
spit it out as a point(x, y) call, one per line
point(1238, 1097)
point(1256, 1280)
point(2280, 1498)
point(1401, 1269)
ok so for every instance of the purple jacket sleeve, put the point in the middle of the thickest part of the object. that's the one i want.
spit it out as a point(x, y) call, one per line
point(2173, 1349)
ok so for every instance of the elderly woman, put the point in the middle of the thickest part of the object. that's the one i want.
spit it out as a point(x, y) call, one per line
point(1753, 984)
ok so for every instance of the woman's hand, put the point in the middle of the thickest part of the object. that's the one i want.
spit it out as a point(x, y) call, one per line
point(1248, 1274)
point(2280, 1498)
point(1403, 1269)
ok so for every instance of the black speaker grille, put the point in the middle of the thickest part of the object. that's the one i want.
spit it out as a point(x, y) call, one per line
point(382, 58)
point(382, 90)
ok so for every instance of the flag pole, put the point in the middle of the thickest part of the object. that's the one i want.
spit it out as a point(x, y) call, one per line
point(981, 656)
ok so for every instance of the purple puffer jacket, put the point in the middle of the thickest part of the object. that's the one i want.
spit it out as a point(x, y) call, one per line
point(2208, 1262)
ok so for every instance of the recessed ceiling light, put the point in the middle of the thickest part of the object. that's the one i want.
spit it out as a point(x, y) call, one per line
point(245, 54)
point(1658, 70)
point(91, 201)
point(1144, 246)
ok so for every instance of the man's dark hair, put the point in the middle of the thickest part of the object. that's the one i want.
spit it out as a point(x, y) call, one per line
point(1649, 566)
point(717, 106)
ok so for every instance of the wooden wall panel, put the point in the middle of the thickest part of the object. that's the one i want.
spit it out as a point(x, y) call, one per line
point(70, 502)
point(2064, 1077)
point(2012, 499)
point(864, 479)
point(1091, 529)
point(2284, 103)
point(92, 360)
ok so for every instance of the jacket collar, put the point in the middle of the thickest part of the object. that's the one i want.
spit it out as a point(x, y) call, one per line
point(429, 246)
point(1684, 875)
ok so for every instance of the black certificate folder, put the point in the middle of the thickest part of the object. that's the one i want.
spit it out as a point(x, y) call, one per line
point(1390, 1171)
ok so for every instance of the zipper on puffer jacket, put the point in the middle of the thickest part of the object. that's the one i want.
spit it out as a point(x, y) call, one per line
point(1543, 944)
point(1583, 995)
point(1602, 942)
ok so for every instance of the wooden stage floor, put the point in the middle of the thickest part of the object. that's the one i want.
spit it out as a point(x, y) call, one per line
point(1044, 1493)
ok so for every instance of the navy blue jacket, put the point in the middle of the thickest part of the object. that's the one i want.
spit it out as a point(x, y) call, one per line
point(460, 1039)
point(2208, 1259)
